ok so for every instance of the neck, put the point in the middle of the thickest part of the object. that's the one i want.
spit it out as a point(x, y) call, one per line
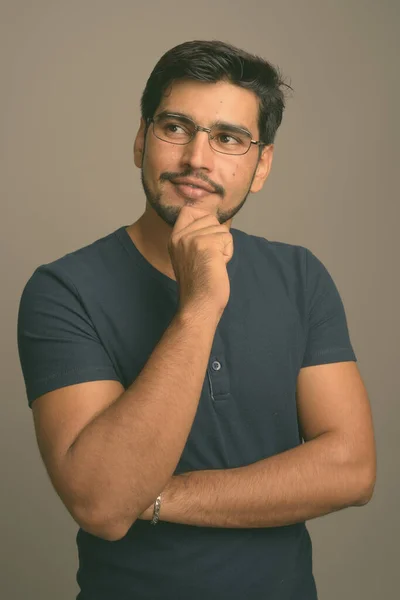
point(151, 235)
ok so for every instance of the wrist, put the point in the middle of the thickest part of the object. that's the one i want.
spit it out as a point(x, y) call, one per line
point(199, 315)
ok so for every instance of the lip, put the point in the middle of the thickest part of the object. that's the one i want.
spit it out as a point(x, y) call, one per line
point(185, 191)
point(183, 188)
point(196, 182)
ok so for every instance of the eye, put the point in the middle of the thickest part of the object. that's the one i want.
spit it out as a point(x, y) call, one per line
point(227, 139)
point(170, 127)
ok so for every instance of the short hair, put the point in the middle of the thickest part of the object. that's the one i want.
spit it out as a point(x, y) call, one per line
point(212, 61)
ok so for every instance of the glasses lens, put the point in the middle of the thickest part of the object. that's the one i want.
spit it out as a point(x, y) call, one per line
point(229, 142)
point(177, 130)
point(173, 129)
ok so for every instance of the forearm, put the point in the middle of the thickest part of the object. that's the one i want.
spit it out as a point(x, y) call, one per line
point(125, 456)
point(303, 483)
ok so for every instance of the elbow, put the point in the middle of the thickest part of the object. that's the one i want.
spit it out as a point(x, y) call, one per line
point(99, 526)
point(112, 535)
point(366, 496)
point(94, 515)
point(105, 532)
point(367, 488)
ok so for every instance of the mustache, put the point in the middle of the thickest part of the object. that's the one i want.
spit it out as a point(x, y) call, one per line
point(169, 175)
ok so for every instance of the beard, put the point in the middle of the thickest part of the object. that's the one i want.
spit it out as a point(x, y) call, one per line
point(169, 213)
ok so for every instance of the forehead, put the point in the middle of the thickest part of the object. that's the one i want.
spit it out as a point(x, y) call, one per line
point(208, 102)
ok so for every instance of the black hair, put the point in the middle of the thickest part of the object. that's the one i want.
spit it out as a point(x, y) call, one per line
point(212, 61)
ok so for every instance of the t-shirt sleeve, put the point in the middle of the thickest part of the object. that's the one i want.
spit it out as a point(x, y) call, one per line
point(57, 341)
point(328, 338)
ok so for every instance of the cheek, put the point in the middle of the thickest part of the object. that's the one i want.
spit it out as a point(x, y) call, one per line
point(158, 161)
point(239, 170)
point(240, 176)
point(235, 170)
point(152, 165)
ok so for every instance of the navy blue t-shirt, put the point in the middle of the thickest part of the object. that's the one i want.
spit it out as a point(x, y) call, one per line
point(97, 313)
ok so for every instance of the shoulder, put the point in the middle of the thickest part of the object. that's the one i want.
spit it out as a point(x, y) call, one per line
point(77, 268)
point(295, 258)
point(290, 260)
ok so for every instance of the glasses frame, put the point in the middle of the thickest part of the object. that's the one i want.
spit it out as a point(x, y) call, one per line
point(198, 128)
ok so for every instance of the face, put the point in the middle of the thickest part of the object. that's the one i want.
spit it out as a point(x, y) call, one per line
point(231, 177)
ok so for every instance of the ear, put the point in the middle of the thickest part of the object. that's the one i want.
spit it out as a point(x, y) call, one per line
point(138, 146)
point(263, 168)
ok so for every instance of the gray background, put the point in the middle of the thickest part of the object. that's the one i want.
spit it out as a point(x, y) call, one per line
point(71, 76)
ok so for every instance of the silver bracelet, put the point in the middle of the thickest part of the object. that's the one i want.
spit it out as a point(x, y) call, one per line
point(156, 513)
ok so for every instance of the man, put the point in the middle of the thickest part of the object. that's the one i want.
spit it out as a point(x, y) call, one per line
point(174, 437)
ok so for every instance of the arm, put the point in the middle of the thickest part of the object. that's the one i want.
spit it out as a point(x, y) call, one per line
point(123, 456)
point(334, 468)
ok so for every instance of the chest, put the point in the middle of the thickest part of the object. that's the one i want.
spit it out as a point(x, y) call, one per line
point(247, 408)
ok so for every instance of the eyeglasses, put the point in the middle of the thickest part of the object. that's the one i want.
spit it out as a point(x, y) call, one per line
point(176, 129)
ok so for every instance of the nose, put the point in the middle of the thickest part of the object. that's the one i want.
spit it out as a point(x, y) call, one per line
point(198, 153)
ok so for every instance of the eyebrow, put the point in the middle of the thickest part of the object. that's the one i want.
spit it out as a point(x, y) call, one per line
point(224, 124)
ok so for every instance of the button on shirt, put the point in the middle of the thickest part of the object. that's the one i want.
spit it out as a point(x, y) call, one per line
point(98, 312)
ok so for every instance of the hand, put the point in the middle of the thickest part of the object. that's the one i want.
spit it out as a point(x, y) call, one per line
point(200, 248)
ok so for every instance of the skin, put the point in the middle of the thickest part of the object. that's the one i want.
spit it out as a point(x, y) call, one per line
point(232, 177)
